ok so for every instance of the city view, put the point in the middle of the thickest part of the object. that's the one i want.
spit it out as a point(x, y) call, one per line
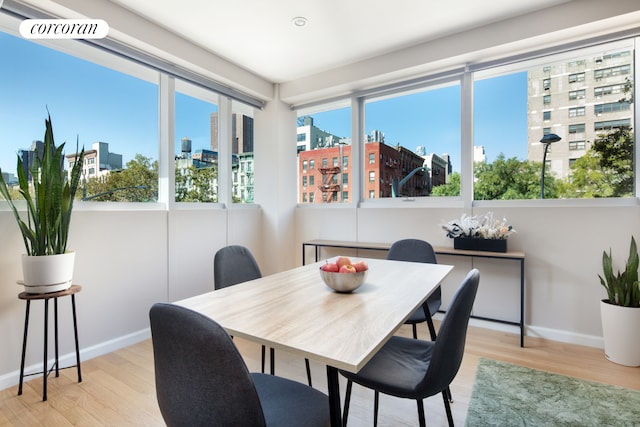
point(412, 146)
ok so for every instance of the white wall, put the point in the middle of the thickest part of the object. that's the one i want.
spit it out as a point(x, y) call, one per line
point(563, 246)
point(125, 262)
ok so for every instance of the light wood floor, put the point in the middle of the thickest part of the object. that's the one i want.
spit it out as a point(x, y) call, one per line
point(118, 388)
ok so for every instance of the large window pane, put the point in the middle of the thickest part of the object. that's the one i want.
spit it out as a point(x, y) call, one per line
point(113, 115)
point(324, 156)
point(584, 98)
point(413, 144)
point(242, 148)
point(196, 150)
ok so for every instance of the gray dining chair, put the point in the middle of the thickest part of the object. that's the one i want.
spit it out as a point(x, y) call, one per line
point(202, 380)
point(415, 250)
point(416, 369)
point(236, 264)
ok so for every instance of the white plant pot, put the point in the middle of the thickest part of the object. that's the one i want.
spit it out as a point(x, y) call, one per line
point(619, 328)
point(47, 273)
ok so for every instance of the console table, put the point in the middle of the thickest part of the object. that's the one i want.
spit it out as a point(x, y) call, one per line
point(517, 256)
point(74, 289)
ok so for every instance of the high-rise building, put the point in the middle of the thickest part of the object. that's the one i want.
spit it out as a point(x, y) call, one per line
point(241, 133)
point(577, 100)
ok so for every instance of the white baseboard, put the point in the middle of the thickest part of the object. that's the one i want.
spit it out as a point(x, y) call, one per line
point(12, 378)
point(536, 331)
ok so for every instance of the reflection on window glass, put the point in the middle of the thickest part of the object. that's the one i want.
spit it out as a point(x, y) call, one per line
point(324, 138)
point(585, 99)
point(196, 150)
point(413, 144)
point(113, 115)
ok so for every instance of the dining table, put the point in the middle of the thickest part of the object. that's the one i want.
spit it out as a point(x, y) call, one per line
point(295, 311)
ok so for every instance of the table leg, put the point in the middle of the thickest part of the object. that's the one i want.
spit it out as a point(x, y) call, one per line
point(334, 396)
point(75, 333)
point(24, 346)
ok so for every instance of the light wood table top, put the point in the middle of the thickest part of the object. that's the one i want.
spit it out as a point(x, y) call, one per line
point(294, 310)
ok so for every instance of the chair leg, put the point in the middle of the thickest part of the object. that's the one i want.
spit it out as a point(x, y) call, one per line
point(376, 399)
point(447, 408)
point(264, 355)
point(347, 399)
point(449, 395)
point(421, 413)
point(432, 328)
point(306, 363)
point(272, 361)
point(415, 331)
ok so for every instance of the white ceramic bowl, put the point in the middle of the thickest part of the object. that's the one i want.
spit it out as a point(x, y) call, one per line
point(343, 282)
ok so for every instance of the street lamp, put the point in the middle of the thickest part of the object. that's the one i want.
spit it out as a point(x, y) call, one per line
point(548, 139)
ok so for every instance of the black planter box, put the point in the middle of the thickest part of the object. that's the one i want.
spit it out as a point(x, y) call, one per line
point(488, 245)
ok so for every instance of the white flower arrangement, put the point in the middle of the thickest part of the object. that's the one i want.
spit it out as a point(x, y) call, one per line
point(479, 227)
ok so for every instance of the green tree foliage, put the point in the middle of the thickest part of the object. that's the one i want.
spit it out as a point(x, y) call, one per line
point(451, 188)
point(197, 184)
point(138, 182)
point(509, 179)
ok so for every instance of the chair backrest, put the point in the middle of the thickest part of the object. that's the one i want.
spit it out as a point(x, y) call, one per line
point(201, 378)
point(232, 265)
point(416, 250)
point(413, 250)
point(449, 346)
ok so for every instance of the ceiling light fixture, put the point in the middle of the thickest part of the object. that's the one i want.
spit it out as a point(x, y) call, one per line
point(299, 21)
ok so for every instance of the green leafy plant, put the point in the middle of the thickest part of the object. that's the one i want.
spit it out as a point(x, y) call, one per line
point(622, 288)
point(50, 202)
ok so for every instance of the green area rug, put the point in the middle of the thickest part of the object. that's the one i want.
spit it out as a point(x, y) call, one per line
point(510, 395)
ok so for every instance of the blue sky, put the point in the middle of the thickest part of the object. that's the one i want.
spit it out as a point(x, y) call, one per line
point(94, 103)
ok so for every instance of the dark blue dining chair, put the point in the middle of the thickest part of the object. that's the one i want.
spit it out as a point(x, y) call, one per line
point(202, 380)
point(417, 369)
point(236, 264)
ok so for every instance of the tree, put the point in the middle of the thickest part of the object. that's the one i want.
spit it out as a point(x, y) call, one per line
point(451, 188)
point(615, 153)
point(587, 179)
point(508, 179)
point(138, 182)
point(197, 184)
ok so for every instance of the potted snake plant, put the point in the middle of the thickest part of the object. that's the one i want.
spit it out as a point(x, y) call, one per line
point(620, 311)
point(49, 194)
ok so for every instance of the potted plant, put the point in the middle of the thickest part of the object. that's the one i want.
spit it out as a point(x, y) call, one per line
point(621, 310)
point(47, 265)
point(479, 233)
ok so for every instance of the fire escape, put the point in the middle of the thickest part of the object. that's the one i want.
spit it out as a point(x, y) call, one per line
point(329, 188)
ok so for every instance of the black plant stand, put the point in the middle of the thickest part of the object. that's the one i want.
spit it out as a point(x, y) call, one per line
point(74, 289)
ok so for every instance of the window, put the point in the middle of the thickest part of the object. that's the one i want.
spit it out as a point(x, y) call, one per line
point(546, 84)
point(612, 125)
point(128, 151)
point(329, 138)
point(312, 180)
point(608, 90)
point(577, 77)
point(577, 128)
point(611, 107)
point(526, 116)
point(576, 111)
point(413, 133)
point(304, 165)
point(196, 147)
point(576, 94)
point(611, 71)
point(304, 181)
point(546, 100)
point(577, 145)
point(242, 153)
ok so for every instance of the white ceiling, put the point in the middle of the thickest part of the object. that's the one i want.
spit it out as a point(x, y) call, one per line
point(259, 35)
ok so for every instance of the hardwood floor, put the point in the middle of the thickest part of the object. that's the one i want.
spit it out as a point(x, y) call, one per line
point(118, 388)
